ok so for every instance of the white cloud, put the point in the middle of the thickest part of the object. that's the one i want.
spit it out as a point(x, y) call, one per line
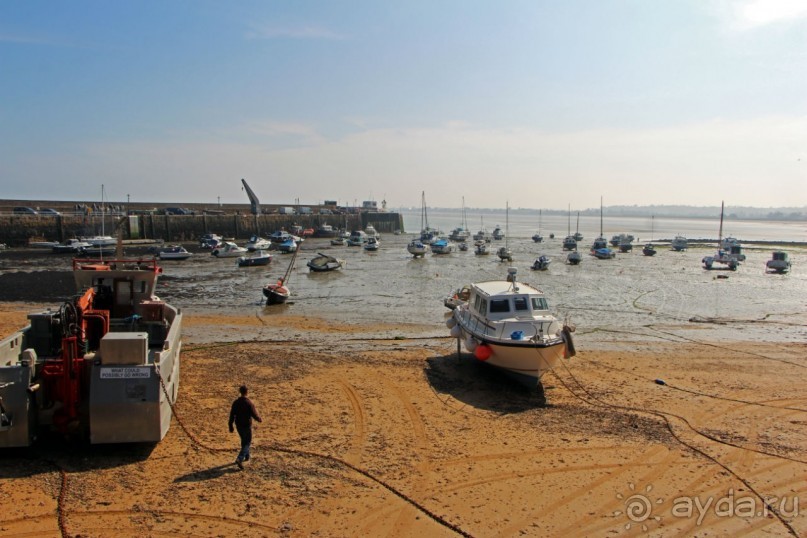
point(750, 14)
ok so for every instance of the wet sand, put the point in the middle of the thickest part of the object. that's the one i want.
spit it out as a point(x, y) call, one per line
point(397, 436)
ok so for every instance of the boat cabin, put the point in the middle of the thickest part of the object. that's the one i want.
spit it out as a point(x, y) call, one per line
point(493, 302)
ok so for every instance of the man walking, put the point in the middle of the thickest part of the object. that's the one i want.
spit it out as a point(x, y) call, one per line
point(241, 413)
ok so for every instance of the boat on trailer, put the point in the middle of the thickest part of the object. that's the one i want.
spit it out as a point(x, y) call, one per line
point(507, 324)
point(103, 367)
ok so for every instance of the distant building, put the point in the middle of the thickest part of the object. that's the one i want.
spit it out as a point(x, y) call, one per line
point(369, 205)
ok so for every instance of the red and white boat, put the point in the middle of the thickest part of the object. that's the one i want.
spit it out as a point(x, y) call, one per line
point(507, 324)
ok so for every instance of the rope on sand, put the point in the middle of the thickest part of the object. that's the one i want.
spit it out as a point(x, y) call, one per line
point(305, 453)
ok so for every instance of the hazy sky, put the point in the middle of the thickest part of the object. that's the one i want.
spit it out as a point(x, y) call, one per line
point(542, 103)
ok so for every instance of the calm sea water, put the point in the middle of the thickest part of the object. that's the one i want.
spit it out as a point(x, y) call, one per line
point(524, 226)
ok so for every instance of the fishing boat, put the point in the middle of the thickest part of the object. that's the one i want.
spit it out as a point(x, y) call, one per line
point(322, 263)
point(541, 263)
point(569, 242)
point(258, 259)
point(724, 257)
point(625, 242)
point(357, 238)
point(372, 243)
point(779, 263)
point(537, 237)
point(442, 245)
point(457, 297)
point(679, 243)
point(228, 249)
point(287, 246)
point(69, 246)
point(599, 249)
point(210, 241)
point(417, 248)
point(257, 242)
point(103, 367)
point(507, 324)
point(278, 292)
point(174, 252)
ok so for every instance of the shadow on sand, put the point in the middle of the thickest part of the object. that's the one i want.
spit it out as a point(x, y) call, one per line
point(208, 474)
point(52, 451)
point(474, 383)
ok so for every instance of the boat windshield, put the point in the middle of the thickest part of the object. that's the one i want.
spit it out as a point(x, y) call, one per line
point(539, 303)
point(499, 305)
point(520, 303)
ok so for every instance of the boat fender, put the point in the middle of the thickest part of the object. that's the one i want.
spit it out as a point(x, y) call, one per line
point(483, 352)
point(456, 332)
point(471, 344)
point(451, 322)
point(566, 334)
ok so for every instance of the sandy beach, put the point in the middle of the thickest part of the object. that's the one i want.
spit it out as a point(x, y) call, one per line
point(400, 437)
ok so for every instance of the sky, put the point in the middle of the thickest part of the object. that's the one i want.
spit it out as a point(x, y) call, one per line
point(535, 103)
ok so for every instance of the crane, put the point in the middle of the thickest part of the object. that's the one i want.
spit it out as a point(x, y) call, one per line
point(253, 200)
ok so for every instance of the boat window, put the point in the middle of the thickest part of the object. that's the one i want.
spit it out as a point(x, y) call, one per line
point(539, 303)
point(483, 306)
point(520, 303)
point(499, 305)
point(476, 303)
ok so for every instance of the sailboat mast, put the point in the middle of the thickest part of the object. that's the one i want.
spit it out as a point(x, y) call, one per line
point(720, 232)
point(569, 223)
point(601, 216)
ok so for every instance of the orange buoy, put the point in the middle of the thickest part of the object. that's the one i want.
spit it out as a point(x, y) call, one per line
point(483, 352)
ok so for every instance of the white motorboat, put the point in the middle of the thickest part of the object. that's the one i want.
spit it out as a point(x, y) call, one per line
point(372, 243)
point(228, 249)
point(174, 252)
point(70, 246)
point(257, 242)
point(498, 234)
point(541, 263)
point(259, 258)
point(100, 240)
point(779, 262)
point(289, 245)
point(371, 231)
point(357, 239)
point(323, 262)
point(210, 241)
point(338, 241)
point(507, 324)
point(417, 248)
point(679, 243)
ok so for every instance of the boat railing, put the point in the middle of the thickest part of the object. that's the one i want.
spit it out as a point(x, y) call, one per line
point(530, 330)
